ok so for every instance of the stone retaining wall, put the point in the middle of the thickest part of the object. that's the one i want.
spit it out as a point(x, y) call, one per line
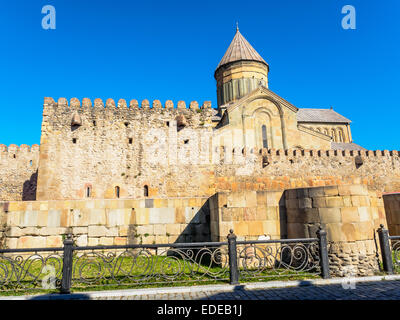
point(250, 214)
point(350, 215)
point(33, 224)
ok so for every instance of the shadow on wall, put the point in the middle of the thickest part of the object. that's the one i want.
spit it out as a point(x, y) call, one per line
point(198, 228)
point(283, 217)
point(29, 188)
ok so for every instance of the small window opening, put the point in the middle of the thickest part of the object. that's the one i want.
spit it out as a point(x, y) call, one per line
point(117, 191)
point(30, 163)
point(14, 156)
point(74, 140)
point(146, 191)
point(186, 141)
point(94, 123)
point(130, 140)
point(88, 192)
point(126, 123)
point(167, 123)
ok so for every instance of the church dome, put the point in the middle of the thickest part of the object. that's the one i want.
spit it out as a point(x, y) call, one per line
point(240, 71)
point(240, 50)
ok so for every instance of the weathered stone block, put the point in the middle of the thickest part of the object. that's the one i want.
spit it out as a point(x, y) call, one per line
point(331, 191)
point(319, 202)
point(54, 218)
point(93, 241)
point(334, 202)
point(31, 242)
point(115, 217)
point(120, 241)
point(141, 215)
point(335, 233)
point(350, 231)
point(261, 199)
point(13, 218)
point(305, 203)
point(255, 228)
point(97, 231)
point(82, 240)
point(316, 192)
point(296, 230)
point(160, 229)
point(173, 229)
point(330, 215)
point(79, 230)
point(350, 214)
point(96, 216)
point(163, 215)
point(251, 199)
point(236, 199)
point(28, 218)
point(240, 228)
point(364, 213)
point(145, 229)
point(269, 228)
point(106, 241)
point(81, 218)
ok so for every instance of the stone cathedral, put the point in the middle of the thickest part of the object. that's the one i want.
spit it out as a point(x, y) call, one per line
point(120, 172)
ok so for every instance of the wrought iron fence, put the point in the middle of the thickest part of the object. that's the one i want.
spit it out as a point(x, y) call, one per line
point(390, 250)
point(153, 264)
point(29, 269)
point(277, 258)
point(149, 264)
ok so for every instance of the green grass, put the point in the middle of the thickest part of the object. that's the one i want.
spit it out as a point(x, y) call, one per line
point(125, 272)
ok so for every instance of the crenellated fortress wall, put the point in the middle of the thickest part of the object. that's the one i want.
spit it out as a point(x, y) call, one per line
point(91, 150)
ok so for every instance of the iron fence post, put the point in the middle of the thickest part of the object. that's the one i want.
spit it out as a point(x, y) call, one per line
point(232, 252)
point(67, 265)
point(323, 253)
point(385, 249)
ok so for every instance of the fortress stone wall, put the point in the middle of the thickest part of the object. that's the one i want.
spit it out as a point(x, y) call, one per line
point(37, 224)
point(173, 152)
point(108, 147)
point(18, 172)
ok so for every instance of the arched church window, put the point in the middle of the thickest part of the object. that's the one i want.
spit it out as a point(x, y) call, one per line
point(264, 136)
point(146, 191)
point(333, 134)
point(340, 136)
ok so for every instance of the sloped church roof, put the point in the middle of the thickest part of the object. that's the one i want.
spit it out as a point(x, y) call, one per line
point(240, 49)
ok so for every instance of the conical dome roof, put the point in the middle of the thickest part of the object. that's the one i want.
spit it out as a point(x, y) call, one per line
point(240, 49)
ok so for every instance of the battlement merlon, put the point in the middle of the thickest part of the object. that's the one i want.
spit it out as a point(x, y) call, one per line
point(23, 149)
point(285, 155)
point(74, 104)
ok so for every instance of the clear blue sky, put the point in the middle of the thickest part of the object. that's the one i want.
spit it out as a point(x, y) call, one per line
point(170, 49)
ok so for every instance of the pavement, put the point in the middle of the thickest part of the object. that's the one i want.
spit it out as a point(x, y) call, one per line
point(366, 288)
